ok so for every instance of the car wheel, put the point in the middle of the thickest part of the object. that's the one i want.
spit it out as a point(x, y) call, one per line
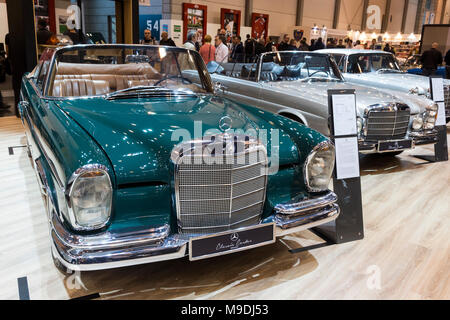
point(62, 268)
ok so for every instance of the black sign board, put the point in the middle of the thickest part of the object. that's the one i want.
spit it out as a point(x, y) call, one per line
point(349, 225)
point(440, 148)
point(233, 241)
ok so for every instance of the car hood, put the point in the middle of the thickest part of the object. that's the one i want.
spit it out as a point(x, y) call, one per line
point(138, 135)
point(402, 81)
point(318, 92)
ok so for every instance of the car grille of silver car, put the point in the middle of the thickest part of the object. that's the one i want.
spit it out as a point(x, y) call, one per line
point(220, 183)
point(387, 122)
point(447, 100)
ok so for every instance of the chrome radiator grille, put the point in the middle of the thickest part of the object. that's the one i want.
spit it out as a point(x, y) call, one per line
point(447, 100)
point(226, 190)
point(387, 122)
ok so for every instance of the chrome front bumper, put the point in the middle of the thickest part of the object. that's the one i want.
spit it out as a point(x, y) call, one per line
point(418, 138)
point(109, 250)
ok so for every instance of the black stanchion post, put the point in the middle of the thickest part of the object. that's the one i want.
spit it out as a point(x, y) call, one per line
point(440, 148)
point(346, 181)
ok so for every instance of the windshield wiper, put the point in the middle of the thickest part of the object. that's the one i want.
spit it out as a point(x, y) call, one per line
point(147, 90)
point(319, 79)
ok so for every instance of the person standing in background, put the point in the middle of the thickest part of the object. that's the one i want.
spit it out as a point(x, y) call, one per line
point(190, 44)
point(237, 54)
point(318, 45)
point(208, 51)
point(447, 64)
point(165, 40)
point(148, 39)
point(260, 47)
point(358, 45)
point(284, 44)
point(303, 45)
point(43, 35)
point(249, 48)
point(221, 49)
point(77, 36)
point(430, 60)
point(388, 48)
point(340, 44)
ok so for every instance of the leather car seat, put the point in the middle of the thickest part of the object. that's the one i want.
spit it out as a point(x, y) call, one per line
point(79, 87)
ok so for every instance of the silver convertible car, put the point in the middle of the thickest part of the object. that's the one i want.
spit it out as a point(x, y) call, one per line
point(380, 69)
point(295, 84)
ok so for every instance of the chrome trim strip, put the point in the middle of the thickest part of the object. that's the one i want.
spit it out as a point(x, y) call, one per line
point(231, 169)
point(108, 240)
point(294, 208)
point(222, 226)
point(226, 184)
point(308, 221)
point(237, 197)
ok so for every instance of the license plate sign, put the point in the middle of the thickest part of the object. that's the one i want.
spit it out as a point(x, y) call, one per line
point(384, 146)
point(232, 241)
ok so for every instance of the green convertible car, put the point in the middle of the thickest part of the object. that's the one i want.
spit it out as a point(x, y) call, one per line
point(137, 163)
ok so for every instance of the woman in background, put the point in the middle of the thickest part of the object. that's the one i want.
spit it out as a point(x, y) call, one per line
point(208, 51)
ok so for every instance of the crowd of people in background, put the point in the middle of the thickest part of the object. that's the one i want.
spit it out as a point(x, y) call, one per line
point(232, 49)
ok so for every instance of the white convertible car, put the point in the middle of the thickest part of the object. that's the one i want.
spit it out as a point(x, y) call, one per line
point(379, 69)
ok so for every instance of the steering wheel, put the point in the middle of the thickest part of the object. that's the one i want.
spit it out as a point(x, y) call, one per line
point(318, 72)
point(173, 77)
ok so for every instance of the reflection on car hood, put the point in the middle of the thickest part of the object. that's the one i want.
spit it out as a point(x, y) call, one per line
point(402, 81)
point(318, 92)
point(398, 81)
point(136, 134)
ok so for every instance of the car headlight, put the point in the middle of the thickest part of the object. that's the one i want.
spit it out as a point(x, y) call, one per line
point(417, 123)
point(319, 166)
point(90, 197)
point(430, 116)
point(359, 125)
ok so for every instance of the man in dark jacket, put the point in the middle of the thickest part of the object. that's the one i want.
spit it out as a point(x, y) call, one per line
point(447, 64)
point(165, 40)
point(430, 60)
point(318, 45)
point(249, 48)
point(237, 54)
point(284, 45)
point(43, 35)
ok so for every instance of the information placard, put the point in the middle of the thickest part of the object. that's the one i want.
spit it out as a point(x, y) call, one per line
point(437, 88)
point(440, 121)
point(347, 158)
point(344, 114)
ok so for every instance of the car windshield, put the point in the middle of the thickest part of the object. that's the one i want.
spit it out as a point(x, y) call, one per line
point(293, 66)
point(373, 62)
point(124, 70)
point(282, 66)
